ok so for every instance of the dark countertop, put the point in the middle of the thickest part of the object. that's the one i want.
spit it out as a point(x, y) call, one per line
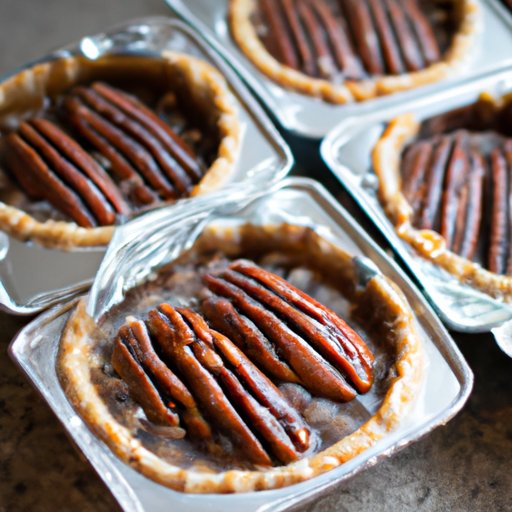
point(466, 465)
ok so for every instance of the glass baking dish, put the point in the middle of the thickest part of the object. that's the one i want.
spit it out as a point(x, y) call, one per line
point(347, 152)
point(32, 277)
point(156, 239)
point(310, 117)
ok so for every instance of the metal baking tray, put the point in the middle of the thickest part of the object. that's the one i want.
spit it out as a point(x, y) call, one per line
point(448, 379)
point(31, 277)
point(347, 152)
point(314, 118)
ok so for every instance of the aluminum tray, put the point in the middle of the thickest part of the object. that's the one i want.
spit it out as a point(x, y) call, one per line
point(31, 277)
point(347, 149)
point(314, 118)
point(448, 379)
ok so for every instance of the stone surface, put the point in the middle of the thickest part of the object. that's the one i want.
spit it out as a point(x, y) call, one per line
point(463, 466)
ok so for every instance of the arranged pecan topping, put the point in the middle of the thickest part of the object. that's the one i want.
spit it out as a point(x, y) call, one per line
point(34, 159)
point(185, 373)
point(216, 375)
point(327, 356)
point(351, 38)
point(173, 143)
point(445, 179)
point(146, 161)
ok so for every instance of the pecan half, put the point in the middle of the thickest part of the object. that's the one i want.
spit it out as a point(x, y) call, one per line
point(73, 152)
point(388, 41)
point(414, 168)
point(507, 151)
point(142, 389)
point(430, 212)
point(367, 41)
point(353, 344)
point(69, 174)
point(453, 202)
point(307, 58)
point(499, 213)
point(315, 32)
point(412, 55)
point(120, 166)
point(470, 229)
point(278, 35)
point(424, 31)
point(170, 387)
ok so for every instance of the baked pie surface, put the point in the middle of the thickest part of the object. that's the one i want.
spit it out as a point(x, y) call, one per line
point(84, 143)
point(446, 185)
point(353, 50)
point(317, 428)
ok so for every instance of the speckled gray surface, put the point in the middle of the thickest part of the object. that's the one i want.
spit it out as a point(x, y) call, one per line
point(464, 466)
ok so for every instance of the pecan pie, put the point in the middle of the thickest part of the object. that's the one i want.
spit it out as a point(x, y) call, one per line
point(85, 143)
point(446, 184)
point(353, 50)
point(223, 374)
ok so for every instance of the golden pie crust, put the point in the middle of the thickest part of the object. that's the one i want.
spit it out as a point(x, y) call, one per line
point(386, 157)
point(205, 87)
point(456, 56)
point(380, 305)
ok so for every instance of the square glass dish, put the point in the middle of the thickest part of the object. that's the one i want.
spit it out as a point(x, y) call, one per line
point(152, 241)
point(347, 152)
point(34, 277)
point(310, 117)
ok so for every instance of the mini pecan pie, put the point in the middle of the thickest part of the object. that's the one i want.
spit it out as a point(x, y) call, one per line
point(446, 184)
point(224, 374)
point(84, 143)
point(346, 50)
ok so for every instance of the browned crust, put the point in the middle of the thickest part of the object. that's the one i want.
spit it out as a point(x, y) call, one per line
point(431, 245)
point(453, 60)
point(380, 303)
point(205, 84)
